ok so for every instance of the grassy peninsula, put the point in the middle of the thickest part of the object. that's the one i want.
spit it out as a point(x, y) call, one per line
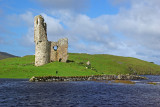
point(23, 67)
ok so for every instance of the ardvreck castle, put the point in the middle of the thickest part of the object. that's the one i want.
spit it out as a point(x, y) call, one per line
point(47, 51)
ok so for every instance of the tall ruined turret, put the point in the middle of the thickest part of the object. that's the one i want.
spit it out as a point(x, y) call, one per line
point(42, 46)
point(47, 51)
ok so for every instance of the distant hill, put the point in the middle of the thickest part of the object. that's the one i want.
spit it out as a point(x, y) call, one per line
point(4, 55)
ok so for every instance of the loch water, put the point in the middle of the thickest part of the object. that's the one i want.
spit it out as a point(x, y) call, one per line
point(22, 93)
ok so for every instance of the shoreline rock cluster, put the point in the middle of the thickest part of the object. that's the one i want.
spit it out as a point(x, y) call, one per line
point(84, 78)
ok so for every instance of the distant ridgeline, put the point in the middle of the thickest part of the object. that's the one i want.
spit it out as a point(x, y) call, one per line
point(4, 55)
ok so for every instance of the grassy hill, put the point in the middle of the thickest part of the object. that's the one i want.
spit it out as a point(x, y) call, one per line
point(23, 67)
point(4, 55)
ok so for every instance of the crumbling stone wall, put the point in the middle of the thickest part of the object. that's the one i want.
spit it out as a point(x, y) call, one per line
point(42, 51)
point(47, 51)
point(59, 50)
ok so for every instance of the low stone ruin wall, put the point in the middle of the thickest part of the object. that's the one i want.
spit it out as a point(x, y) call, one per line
point(85, 78)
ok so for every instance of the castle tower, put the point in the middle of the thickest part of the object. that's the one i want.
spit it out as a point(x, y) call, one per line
point(47, 51)
point(42, 46)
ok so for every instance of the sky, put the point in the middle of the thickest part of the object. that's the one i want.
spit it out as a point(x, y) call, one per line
point(129, 28)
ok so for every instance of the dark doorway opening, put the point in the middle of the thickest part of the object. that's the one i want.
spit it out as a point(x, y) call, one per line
point(60, 60)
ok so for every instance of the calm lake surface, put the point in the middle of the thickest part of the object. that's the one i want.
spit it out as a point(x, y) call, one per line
point(21, 93)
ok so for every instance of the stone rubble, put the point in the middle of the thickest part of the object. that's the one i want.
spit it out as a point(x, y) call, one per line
point(85, 78)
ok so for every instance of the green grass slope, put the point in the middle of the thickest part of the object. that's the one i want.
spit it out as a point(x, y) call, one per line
point(100, 64)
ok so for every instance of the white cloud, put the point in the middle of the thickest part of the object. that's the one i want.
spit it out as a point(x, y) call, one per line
point(17, 20)
point(55, 30)
point(132, 32)
point(140, 25)
point(81, 29)
point(72, 5)
point(28, 18)
point(28, 39)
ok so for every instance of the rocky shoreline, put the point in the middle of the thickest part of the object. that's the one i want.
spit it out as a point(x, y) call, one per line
point(84, 78)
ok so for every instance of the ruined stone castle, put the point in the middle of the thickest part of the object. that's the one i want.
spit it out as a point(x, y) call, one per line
point(47, 51)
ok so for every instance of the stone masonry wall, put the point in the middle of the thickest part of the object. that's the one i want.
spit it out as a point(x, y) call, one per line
point(62, 50)
point(53, 54)
point(85, 78)
point(44, 49)
point(60, 53)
